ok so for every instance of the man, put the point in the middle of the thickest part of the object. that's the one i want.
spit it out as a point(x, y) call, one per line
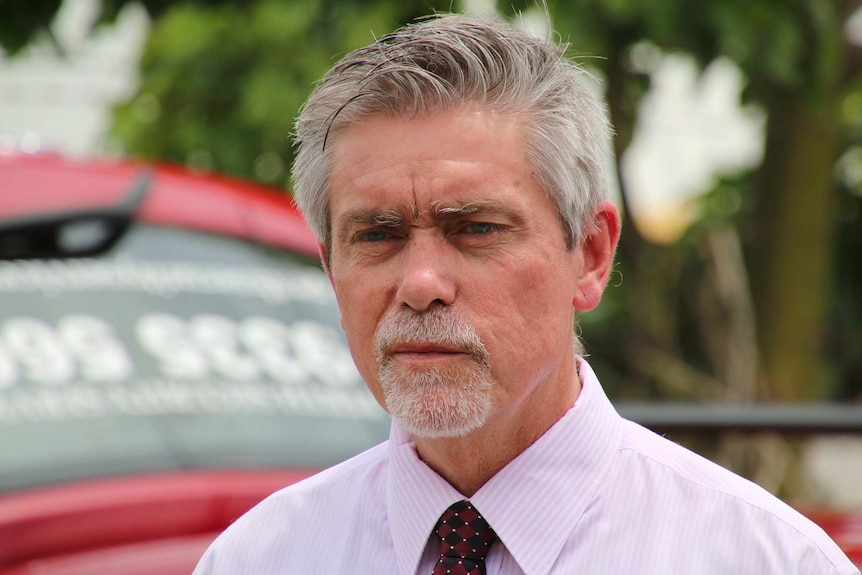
point(455, 174)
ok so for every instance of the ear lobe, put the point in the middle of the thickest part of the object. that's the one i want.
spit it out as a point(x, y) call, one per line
point(597, 257)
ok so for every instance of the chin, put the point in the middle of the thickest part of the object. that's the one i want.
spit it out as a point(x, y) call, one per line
point(434, 404)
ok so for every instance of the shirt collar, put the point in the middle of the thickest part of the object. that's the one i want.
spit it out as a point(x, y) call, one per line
point(555, 479)
point(416, 498)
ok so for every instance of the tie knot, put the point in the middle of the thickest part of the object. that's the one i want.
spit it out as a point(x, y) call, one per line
point(465, 539)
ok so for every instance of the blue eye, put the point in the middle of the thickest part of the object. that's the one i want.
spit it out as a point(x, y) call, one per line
point(374, 236)
point(481, 228)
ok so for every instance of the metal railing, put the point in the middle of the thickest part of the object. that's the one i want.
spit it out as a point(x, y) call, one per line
point(705, 418)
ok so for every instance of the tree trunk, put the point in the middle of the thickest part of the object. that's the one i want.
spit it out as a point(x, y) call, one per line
point(793, 244)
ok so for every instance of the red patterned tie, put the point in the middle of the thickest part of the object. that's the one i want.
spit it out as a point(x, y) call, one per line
point(465, 539)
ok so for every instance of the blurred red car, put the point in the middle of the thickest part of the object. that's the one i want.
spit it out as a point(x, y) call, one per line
point(170, 353)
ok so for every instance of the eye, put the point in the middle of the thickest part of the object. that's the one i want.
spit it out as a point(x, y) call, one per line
point(480, 228)
point(477, 234)
point(373, 236)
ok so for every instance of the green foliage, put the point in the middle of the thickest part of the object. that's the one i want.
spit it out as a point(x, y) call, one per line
point(844, 336)
point(21, 22)
point(781, 45)
point(222, 84)
point(790, 44)
point(19, 26)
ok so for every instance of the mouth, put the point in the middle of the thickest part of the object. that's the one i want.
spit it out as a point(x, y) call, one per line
point(421, 353)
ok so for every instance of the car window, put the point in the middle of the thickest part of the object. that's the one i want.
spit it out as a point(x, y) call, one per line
point(178, 349)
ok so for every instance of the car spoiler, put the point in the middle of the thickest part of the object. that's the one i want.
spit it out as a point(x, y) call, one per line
point(73, 233)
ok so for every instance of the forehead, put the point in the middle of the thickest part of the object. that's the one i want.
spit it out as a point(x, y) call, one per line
point(440, 157)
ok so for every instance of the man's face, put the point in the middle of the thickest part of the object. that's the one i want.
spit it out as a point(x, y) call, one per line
point(449, 264)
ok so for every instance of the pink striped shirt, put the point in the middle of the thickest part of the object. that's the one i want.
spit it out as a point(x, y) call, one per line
point(595, 494)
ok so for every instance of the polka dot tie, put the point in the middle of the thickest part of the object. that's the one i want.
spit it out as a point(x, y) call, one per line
point(465, 539)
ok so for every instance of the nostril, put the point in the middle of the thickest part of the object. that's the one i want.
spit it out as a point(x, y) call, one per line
point(422, 298)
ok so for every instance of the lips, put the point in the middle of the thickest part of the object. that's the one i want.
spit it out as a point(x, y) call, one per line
point(424, 353)
point(424, 348)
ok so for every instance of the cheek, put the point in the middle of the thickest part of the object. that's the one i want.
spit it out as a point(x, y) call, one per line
point(529, 308)
point(359, 317)
point(360, 340)
point(540, 287)
point(360, 335)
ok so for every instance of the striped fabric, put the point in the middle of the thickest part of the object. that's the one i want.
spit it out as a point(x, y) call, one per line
point(595, 494)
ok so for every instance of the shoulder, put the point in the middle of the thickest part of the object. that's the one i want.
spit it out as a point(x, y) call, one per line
point(340, 481)
point(713, 509)
point(694, 476)
point(286, 526)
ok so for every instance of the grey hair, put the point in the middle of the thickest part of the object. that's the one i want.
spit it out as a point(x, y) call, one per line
point(448, 61)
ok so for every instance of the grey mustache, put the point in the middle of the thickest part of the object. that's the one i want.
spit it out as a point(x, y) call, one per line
point(436, 326)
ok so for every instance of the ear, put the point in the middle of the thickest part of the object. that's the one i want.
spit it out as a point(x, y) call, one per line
point(597, 254)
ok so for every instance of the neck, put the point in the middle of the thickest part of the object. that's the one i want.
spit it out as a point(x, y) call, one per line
point(468, 462)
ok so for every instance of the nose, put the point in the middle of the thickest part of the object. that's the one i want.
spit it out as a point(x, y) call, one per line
point(425, 274)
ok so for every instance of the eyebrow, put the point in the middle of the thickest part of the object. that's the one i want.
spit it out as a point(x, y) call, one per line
point(437, 211)
point(372, 217)
point(477, 207)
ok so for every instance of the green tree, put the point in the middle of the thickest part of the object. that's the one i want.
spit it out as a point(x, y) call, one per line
point(223, 84)
point(21, 22)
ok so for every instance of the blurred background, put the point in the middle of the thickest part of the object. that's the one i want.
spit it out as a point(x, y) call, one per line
point(739, 151)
